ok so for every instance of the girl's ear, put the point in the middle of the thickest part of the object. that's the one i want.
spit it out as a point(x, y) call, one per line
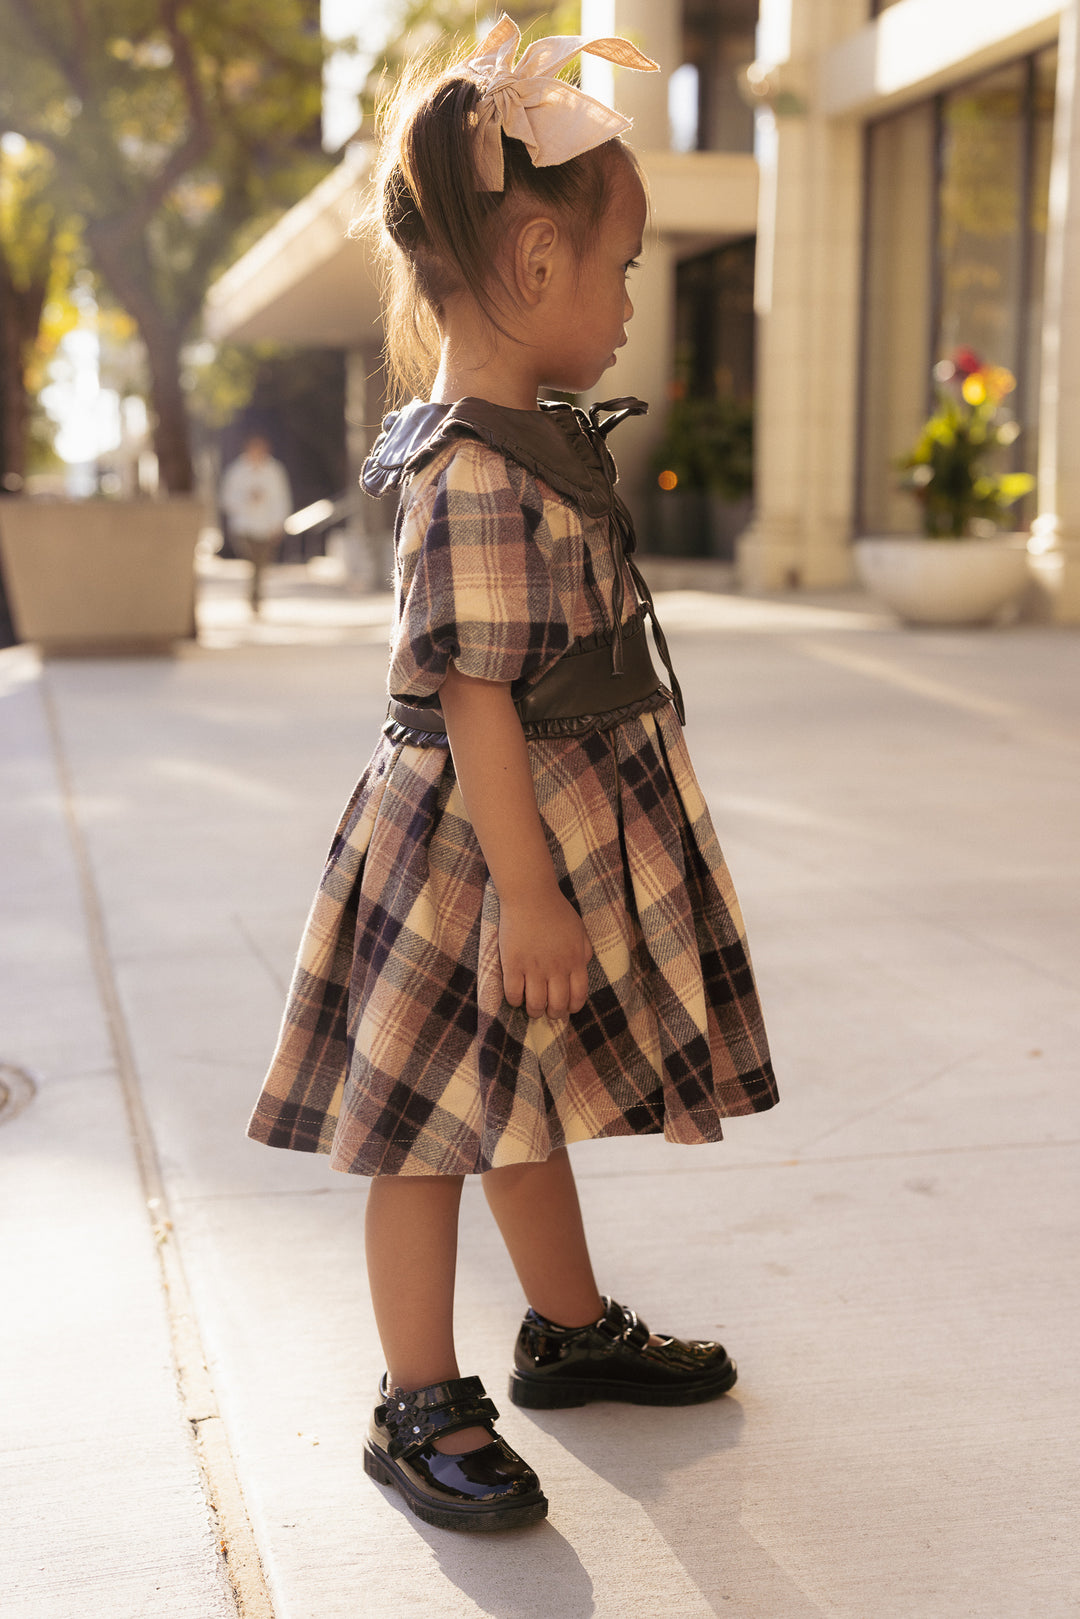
point(534, 257)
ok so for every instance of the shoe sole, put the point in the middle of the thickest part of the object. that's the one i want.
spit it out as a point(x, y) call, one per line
point(541, 1394)
point(480, 1518)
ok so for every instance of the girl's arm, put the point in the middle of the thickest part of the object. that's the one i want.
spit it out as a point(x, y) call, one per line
point(543, 945)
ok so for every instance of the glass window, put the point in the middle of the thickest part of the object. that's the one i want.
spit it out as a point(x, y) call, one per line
point(1043, 80)
point(719, 41)
point(898, 296)
point(955, 246)
point(980, 247)
point(714, 323)
point(684, 108)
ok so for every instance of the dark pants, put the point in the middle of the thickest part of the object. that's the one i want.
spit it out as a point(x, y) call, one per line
point(261, 553)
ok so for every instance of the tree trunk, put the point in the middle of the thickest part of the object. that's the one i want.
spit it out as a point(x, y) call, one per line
point(10, 386)
point(128, 274)
point(15, 407)
point(172, 435)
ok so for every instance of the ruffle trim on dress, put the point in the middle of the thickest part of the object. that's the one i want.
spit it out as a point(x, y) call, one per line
point(541, 730)
point(553, 443)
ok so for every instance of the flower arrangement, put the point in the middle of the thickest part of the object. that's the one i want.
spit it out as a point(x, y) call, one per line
point(948, 470)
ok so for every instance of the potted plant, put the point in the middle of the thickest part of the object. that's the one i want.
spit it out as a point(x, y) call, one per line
point(704, 471)
point(963, 568)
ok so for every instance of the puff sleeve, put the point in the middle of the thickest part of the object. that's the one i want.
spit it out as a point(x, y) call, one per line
point(486, 577)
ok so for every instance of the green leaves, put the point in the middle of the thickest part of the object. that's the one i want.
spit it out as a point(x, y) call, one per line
point(707, 444)
point(175, 127)
point(949, 470)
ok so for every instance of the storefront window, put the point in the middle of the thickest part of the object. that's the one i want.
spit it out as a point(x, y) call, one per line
point(1044, 77)
point(714, 323)
point(980, 246)
point(709, 113)
point(898, 297)
point(956, 227)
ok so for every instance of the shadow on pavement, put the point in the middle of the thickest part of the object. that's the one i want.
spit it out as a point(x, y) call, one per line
point(518, 1574)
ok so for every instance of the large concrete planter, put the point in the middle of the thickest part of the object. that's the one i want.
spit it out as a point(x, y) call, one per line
point(101, 575)
point(944, 581)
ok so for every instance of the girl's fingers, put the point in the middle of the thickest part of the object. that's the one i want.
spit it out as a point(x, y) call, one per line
point(558, 997)
point(567, 993)
point(536, 996)
point(579, 987)
point(514, 987)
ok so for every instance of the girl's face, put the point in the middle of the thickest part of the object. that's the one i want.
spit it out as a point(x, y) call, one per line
point(589, 305)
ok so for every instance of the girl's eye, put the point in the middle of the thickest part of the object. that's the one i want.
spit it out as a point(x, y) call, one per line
point(631, 264)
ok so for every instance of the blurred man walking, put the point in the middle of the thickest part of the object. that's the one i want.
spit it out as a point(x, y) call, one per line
point(256, 499)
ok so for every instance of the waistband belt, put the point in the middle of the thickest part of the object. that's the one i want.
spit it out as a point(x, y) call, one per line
point(579, 693)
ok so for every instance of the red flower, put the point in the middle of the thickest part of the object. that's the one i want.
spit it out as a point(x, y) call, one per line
point(966, 361)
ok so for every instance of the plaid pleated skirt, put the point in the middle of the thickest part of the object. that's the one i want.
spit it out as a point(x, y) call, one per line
point(398, 1053)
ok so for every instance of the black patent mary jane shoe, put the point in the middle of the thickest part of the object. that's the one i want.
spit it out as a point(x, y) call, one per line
point(488, 1488)
point(613, 1359)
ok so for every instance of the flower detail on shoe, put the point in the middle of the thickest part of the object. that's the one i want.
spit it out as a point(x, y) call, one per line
point(490, 1487)
point(413, 1417)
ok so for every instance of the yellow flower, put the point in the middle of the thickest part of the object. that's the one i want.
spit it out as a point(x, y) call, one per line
point(974, 388)
point(999, 381)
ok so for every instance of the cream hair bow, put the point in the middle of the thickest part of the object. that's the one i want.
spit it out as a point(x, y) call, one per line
point(553, 119)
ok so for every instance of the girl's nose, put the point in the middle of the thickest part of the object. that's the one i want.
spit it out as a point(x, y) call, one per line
point(628, 308)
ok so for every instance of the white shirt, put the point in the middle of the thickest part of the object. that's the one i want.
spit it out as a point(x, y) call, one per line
point(256, 497)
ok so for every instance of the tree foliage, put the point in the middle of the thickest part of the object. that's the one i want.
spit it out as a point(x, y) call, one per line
point(178, 129)
point(38, 252)
point(431, 25)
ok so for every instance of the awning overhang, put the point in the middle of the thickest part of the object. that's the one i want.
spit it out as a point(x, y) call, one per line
point(305, 282)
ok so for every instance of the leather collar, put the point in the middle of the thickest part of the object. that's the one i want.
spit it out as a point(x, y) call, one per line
point(558, 443)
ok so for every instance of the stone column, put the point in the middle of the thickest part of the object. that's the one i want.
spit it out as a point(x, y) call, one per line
point(1057, 528)
point(367, 540)
point(654, 26)
point(809, 249)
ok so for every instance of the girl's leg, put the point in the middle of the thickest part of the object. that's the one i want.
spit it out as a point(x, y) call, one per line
point(411, 1238)
point(537, 1211)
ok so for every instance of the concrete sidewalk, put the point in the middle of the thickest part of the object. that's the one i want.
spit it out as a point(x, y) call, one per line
point(891, 1254)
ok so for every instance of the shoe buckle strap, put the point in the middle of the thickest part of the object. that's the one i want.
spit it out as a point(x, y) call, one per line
point(411, 1426)
point(618, 1324)
point(612, 1330)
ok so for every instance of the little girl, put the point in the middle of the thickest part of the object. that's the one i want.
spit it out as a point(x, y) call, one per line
point(525, 934)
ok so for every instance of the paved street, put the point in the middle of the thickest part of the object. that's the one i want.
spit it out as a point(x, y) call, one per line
point(891, 1255)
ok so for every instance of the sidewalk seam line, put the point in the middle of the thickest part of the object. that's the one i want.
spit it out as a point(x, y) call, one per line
point(242, 1564)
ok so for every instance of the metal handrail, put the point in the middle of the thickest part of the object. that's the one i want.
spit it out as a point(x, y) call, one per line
point(324, 514)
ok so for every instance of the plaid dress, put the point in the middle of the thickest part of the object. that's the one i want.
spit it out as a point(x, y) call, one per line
point(398, 1053)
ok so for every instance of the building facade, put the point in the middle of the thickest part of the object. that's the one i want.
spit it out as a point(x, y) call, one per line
point(893, 180)
point(920, 192)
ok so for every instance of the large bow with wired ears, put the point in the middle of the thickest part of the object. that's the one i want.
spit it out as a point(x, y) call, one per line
point(527, 101)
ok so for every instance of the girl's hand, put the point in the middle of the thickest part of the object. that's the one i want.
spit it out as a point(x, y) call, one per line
point(545, 953)
point(543, 946)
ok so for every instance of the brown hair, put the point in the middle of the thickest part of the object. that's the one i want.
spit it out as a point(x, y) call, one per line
point(436, 234)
